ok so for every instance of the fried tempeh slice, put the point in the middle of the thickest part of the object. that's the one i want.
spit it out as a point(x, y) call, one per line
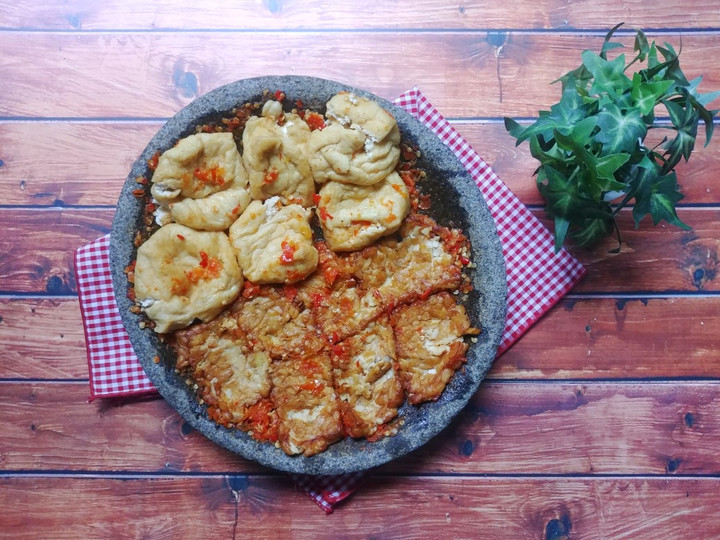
point(380, 277)
point(274, 322)
point(366, 379)
point(306, 404)
point(231, 376)
point(430, 345)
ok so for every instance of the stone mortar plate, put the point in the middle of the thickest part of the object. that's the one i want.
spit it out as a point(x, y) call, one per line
point(455, 202)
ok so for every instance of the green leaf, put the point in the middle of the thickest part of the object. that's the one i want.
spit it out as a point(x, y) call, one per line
point(593, 230)
point(606, 166)
point(685, 121)
point(609, 45)
point(513, 128)
point(591, 144)
point(658, 198)
point(647, 94)
point(564, 115)
point(609, 76)
point(641, 45)
point(561, 229)
point(620, 130)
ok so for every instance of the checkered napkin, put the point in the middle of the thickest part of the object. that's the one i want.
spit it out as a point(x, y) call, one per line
point(537, 278)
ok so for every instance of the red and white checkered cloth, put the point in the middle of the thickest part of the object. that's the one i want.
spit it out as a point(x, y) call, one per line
point(537, 278)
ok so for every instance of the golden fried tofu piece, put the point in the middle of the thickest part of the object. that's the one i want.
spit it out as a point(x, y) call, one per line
point(182, 274)
point(274, 243)
point(359, 146)
point(353, 217)
point(351, 110)
point(198, 166)
point(231, 376)
point(430, 344)
point(366, 381)
point(216, 212)
point(306, 404)
point(275, 158)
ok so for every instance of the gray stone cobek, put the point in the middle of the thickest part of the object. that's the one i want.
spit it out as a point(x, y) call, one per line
point(455, 202)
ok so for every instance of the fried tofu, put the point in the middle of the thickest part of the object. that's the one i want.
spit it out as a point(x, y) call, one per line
point(306, 404)
point(366, 379)
point(197, 166)
point(430, 345)
point(274, 243)
point(353, 217)
point(359, 146)
point(182, 274)
point(275, 158)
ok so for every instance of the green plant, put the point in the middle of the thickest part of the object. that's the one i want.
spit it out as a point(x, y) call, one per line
point(591, 145)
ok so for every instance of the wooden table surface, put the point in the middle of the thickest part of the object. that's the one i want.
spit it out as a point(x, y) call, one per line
point(603, 421)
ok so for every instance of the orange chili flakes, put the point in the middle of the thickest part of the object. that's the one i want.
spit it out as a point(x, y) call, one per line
point(214, 175)
point(279, 95)
point(314, 121)
point(308, 366)
point(250, 289)
point(288, 252)
point(262, 420)
point(179, 286)
point(314, 387)
point(270, 176)
point(317, 299)
point(323, 213)
point(290, 292)
point(181, 237)
point(316, 198)
point(207, 268)
point(330, 274)
point(153, 161)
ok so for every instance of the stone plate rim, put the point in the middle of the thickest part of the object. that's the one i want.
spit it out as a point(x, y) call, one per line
point(456, 198)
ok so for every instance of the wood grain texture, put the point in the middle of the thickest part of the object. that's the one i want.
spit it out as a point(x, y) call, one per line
point(37, 247)
point(400, 14)
point(268, 507)
point(657, 258)
point(36, 253)
point(508, 428)
point(85, 163)
point(42, 338)
point(154, 75)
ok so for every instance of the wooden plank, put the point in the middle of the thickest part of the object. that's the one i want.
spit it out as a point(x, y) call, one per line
point(42, 338)
point(665, 337)
point(678, 260)
point(69, 163)
point(117, 508)
point(36, 253)
point(268, 507)
point(83, 155)
point(662, 337)
point(38, 246)
point(508, 428)
point(463, 73)
point(296, 14)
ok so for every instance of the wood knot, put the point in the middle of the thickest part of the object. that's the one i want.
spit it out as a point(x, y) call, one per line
point(558, 528)
point(467, 448)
